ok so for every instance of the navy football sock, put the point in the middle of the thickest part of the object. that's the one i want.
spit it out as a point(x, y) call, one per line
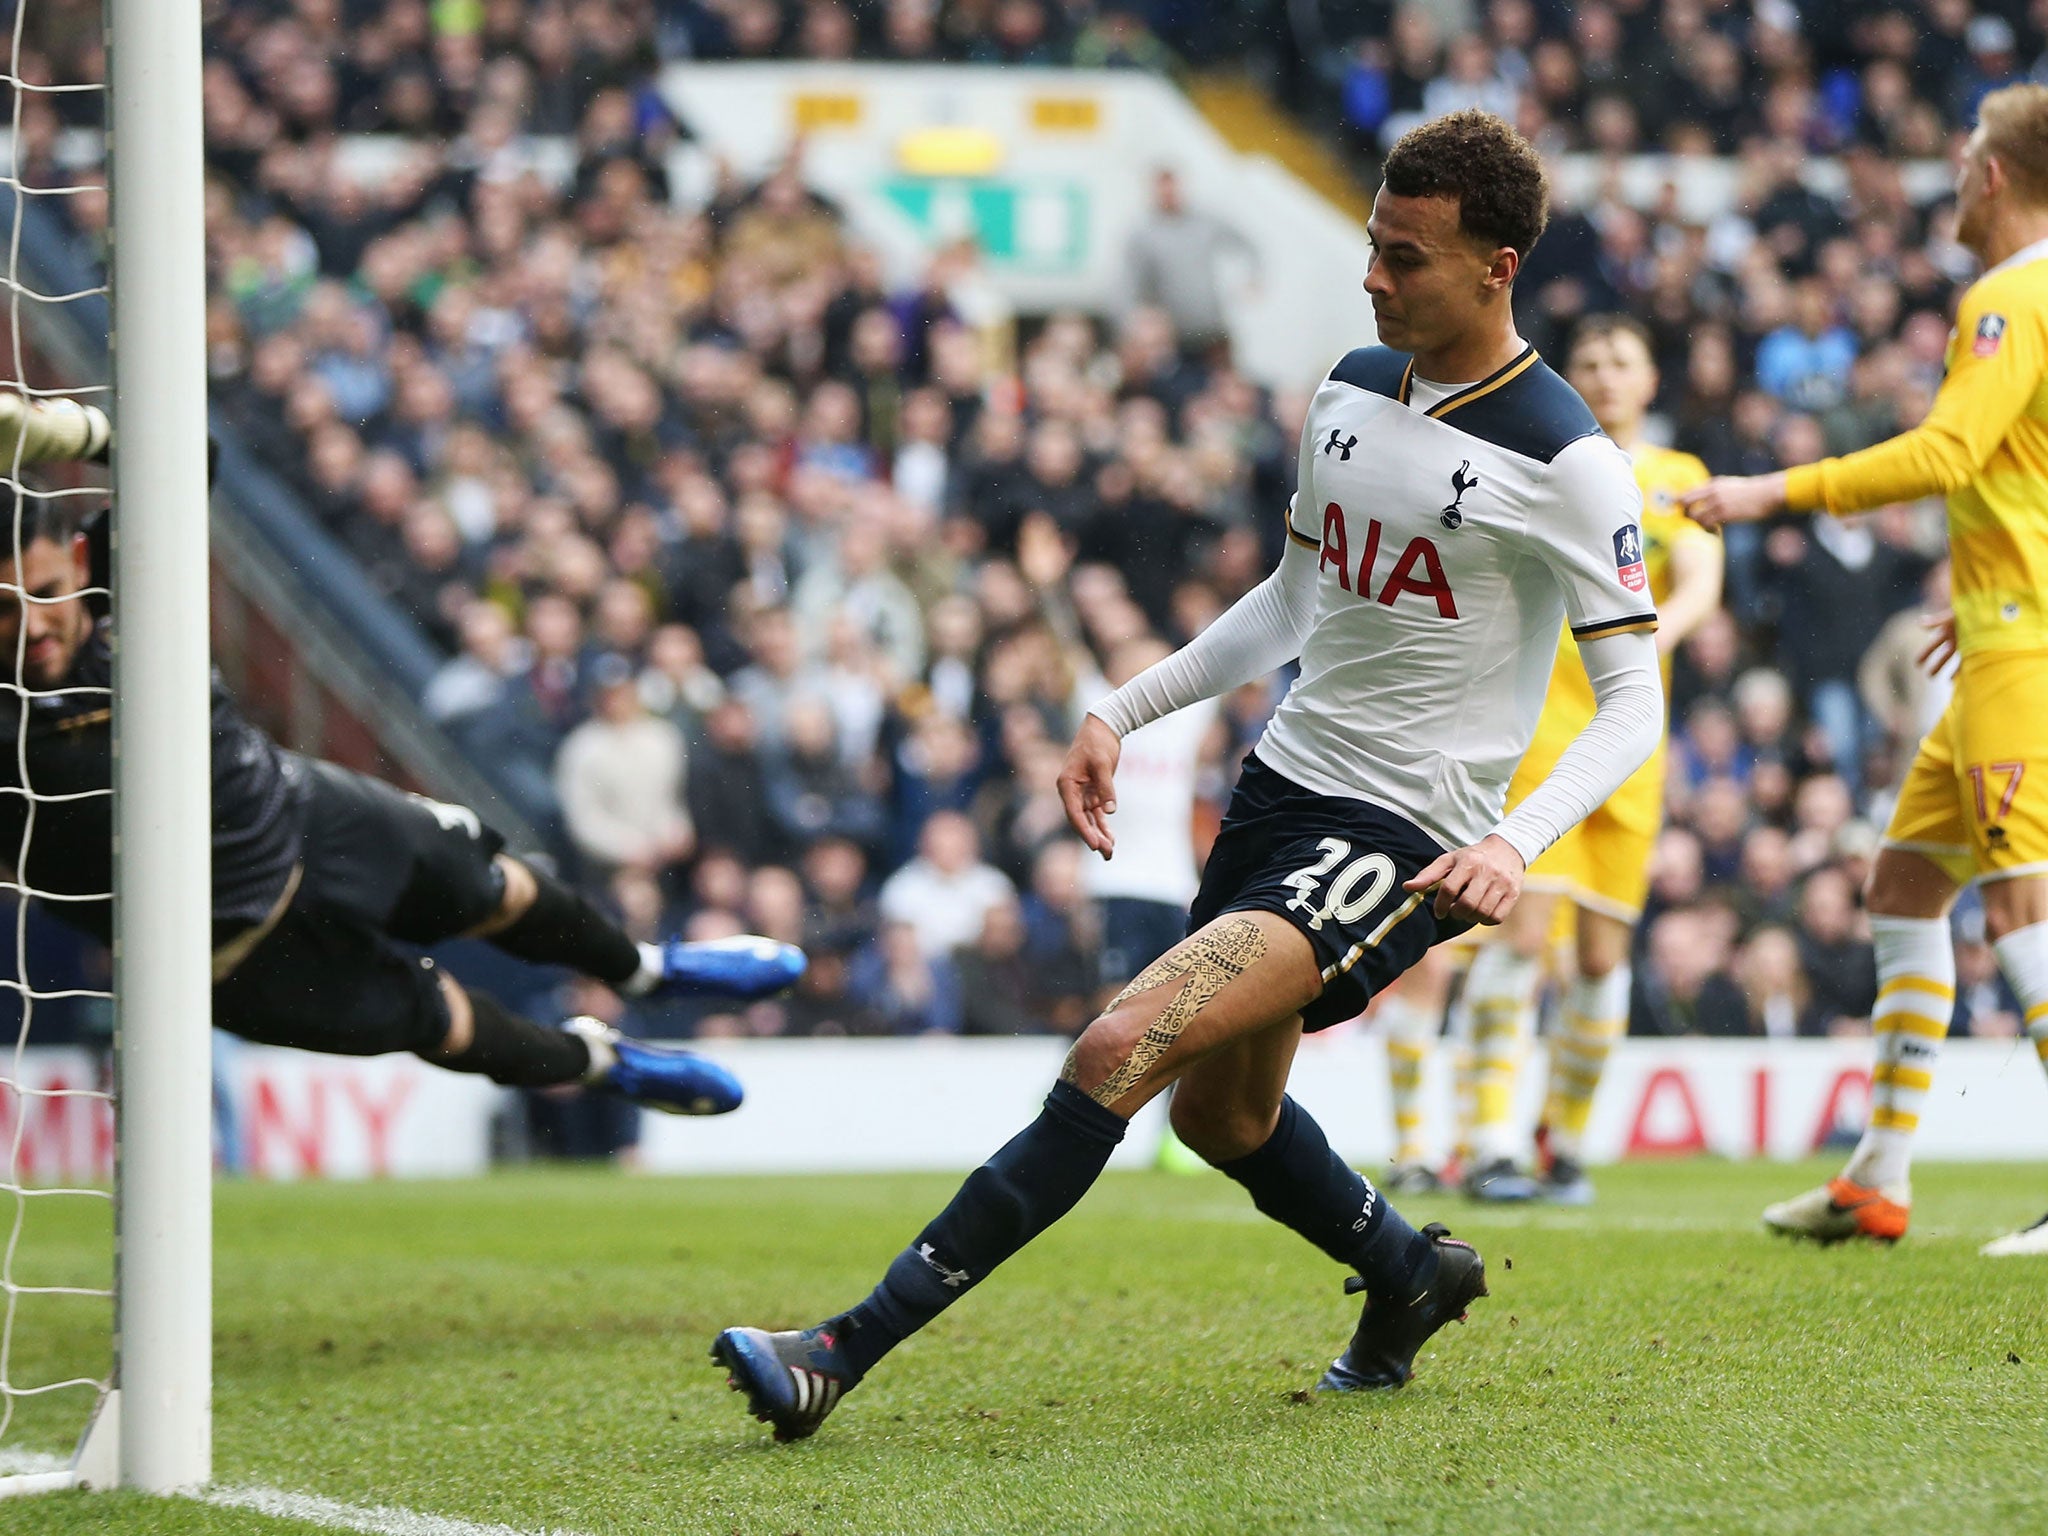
point(1298, 1181)
point(1027, 1186)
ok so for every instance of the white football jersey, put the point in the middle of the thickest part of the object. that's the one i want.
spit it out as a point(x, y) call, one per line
point(1453, 543)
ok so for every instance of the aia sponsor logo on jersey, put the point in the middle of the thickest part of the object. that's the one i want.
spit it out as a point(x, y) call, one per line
point(1628, 558)
point(1417, 572)
point(1990, 332)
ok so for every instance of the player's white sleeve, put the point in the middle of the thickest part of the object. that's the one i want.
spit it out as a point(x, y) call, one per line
point(1628, 721)
point(1588, 530)
point(1262, 630)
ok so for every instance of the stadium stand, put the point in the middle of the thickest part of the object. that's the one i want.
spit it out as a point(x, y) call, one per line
point(691, 485)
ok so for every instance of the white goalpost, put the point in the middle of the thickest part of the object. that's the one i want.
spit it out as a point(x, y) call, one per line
point(163, 798)
point(150, 1424)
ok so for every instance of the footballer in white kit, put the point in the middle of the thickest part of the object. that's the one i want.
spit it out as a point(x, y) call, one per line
point(1440, 536)
point(1440, 539)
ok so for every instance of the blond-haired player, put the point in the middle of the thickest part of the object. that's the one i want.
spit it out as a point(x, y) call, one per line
point(1600, 867)
point(1975, 802)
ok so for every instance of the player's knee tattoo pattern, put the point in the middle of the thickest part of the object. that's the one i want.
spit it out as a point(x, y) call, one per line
point(1204, 966)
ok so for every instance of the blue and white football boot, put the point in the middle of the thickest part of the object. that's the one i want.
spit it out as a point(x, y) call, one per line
point(1382, 1352)
point(746, 967)
point(791, 1380)
point(662, 1077)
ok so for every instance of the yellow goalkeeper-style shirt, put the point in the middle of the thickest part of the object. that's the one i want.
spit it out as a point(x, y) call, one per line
point(1985, 444)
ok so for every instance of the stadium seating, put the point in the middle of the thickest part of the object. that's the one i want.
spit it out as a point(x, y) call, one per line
point(857, 546)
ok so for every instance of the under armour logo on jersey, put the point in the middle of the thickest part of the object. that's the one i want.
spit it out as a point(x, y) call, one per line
point(1462, 480)
point(1340, 445)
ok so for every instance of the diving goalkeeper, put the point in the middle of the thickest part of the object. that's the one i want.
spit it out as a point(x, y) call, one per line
point(326, 882)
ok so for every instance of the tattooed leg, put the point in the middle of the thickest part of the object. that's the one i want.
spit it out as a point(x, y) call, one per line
point(1202, 966)
point(1141, 1042)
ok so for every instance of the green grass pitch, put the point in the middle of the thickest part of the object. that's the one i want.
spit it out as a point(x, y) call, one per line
point(530, 1349)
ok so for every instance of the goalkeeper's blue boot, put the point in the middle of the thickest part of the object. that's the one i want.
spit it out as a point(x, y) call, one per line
point(660, 1077)
point(792, 1380)
point(1382, 1351)
point(745, 966)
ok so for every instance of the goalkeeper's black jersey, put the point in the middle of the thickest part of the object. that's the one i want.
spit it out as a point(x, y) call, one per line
point(259, 802)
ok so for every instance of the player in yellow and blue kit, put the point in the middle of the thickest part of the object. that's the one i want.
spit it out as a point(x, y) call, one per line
point(1975, 802)
point(1596, 876)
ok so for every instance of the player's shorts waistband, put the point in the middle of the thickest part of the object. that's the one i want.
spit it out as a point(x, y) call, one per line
point(1263, 788)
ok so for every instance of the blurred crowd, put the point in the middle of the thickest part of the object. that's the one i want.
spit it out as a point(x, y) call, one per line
point(772, 590)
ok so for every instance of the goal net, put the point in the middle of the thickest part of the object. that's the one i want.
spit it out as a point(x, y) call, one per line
point(56, 1110)
point(105, 1082)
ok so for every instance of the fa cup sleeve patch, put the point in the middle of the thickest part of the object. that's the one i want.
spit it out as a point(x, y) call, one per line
point(1628, 558)
point(1990, 332)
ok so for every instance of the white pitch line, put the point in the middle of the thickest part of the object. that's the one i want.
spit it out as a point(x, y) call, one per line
point(371, 1519)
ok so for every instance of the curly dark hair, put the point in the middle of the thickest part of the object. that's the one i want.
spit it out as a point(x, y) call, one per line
point(1478, 158)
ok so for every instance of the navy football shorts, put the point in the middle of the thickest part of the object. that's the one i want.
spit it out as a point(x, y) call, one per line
point(1333, 867)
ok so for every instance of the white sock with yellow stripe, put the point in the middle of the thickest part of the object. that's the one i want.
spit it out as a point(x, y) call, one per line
point(2023, 956)
point(1464, 1093)
point(1500, 999)
point(1595, 1016)
point(1916, 993)
point(1410, 1029)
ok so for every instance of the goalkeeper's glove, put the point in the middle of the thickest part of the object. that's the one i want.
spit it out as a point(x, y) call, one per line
point(51, 430)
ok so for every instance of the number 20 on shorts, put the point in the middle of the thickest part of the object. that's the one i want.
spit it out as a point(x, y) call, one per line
point(1361, 885)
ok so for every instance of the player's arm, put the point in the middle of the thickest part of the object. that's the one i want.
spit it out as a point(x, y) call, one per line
point(1627, 723)
point(1615, 625)
point(51, 430)
point(1261, 631)
point(1482, 882)
point(1997, 367)
point(1697, 566)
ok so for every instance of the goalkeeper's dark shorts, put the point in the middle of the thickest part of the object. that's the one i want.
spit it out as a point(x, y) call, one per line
point(383, 871)
point(410, 867)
